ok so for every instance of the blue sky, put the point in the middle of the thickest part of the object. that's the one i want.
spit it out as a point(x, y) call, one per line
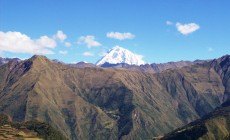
point(83, 30)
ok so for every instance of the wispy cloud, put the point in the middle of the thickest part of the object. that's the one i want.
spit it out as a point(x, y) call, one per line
point(67, 44)
point(63, 52)
point(210, 49)
point(89, 41)
point(60, 36)
point(120, 36)
point(16, 42)
point(186, 29)
point(88, 54)
point(169, 22)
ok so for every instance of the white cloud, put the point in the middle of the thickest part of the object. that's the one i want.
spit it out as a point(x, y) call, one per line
point(120, 36)
point(46, 41)
point(89, 41)
point(67, 44)
point(16, 42)
point(186, 29)
point(169, 22)
point(60, 36)
point(88, 54)
point(63, 52)
point(210, 49)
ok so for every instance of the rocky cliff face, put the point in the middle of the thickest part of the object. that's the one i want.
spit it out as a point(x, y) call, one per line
point(97, 103)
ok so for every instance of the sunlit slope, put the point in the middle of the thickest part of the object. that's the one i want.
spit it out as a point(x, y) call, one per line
point(97, 103)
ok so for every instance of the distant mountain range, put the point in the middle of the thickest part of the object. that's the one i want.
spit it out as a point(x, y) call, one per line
point(6, 60)
point(154, 68)
point(112, 103)
point(119, 57)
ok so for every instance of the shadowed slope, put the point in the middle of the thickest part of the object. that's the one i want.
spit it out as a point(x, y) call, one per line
point(215, 125)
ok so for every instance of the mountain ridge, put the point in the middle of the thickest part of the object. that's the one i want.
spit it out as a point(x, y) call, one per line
point(110, 103)
point(151, 68)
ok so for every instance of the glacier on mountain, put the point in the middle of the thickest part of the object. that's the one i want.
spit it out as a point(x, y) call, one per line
point(121, 55)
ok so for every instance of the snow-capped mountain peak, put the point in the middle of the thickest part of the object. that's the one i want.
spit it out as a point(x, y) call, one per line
point(121, 55)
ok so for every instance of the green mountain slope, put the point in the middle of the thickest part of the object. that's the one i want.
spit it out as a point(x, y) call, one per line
point(97, 103)
point(215, 126)
point(27, 130)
